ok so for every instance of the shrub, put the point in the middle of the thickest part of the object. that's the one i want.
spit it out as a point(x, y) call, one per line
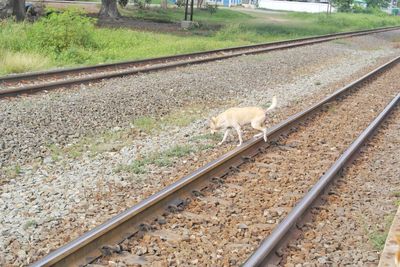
point(212, 9)
point(180, 3)
point(61, 31)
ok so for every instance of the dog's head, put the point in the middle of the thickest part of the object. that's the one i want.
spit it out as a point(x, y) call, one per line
point(214, 125)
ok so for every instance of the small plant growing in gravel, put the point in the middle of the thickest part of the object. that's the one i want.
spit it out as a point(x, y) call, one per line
point(178, 151)
point(145, 124)
point(162, 161)
point(205, 147)
point(207, 136)
point(29, 224)
point(13, 171)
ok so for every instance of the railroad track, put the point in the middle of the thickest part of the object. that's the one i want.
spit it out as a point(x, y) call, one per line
point(211, 189)
point(26, 83)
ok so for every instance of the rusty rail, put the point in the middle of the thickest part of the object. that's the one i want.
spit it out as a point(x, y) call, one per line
point(119, 69)
point(87, 247)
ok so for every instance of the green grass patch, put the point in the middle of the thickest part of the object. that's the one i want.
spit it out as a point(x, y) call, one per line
point(207, 136)
point(13, 171)
point(29, 224)
point(378, 240)
point(377, 237)
point(222, 16)
point(160, 159)
point(183, 117)
point(178, 151)
point(146, 124)
point(70, 38)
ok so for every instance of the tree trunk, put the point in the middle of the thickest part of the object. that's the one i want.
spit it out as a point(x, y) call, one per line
point(19, 9)
point(6, 8)
point(109, 9)
point(163, 4)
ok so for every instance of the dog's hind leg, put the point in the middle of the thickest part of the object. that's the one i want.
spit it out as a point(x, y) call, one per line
point(225, 136)
point(257, 124)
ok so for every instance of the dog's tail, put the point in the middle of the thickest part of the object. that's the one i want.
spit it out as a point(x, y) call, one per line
point(273, 104)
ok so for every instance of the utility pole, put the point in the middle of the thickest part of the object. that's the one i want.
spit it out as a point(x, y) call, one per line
point(189, 10)
point(187, 22)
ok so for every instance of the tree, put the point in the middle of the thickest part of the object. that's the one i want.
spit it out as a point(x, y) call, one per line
point(109, 9)
point(10, 8)
point(342, 5)
point(19, 9)
point(377, 3)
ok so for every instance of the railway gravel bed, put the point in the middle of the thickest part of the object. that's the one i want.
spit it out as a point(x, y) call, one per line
point(57, 196)
point(29, 125)
point(351, 227)
point(224, 225)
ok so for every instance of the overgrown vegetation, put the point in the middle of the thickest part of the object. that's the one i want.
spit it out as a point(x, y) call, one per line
point(377, 236)
point(160, 159)
point(70, 38)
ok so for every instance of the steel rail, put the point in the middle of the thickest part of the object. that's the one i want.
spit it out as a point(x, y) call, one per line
point(271, 244)
point(87, 247)
point(164, 62)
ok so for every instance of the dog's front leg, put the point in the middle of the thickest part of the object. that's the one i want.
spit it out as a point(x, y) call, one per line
point(225, 136)
point(239, 132)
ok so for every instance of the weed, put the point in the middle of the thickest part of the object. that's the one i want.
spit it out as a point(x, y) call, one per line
point(31, 223)
point(378, 240)
point(178, 151)
point(18, 62)
point(146, 124)
point(137, 167)
point(13, 171)
point(378, 236)
point(207, 136)
point(205, 147)
point(162, 161)
point(55, 151)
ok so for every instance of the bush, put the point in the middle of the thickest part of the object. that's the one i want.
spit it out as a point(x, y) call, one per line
point(180, 3)
point(60, 32)
point(212, 9)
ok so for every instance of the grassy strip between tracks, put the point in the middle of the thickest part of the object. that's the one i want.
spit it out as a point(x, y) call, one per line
point(71, 39)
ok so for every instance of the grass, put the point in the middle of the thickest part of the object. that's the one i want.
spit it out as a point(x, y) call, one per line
point(146, 124)
point(208, 136)
point(377, 237)
point(13, 171)
point(160, 159)
point(29, 224)
point(17, 62)
point(183, 117)
point(70, 39)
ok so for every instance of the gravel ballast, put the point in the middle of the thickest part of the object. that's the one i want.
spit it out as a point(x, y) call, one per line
point(55, 176)
point(350, 228)
point(222, 227)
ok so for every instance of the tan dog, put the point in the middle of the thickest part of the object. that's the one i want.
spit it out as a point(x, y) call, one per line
point(237, 117)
